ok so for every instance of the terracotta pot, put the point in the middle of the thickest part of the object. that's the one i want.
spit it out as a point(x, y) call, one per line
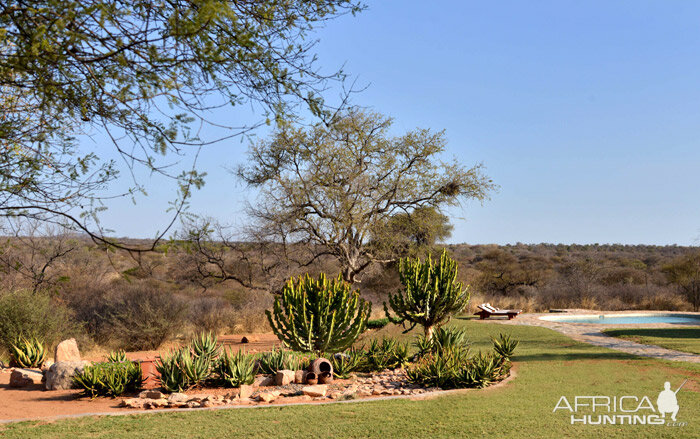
point(325, 378)
point(321, 366)
point(311, 378)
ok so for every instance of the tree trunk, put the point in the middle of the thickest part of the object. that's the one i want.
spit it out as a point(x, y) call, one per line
point(429, 332)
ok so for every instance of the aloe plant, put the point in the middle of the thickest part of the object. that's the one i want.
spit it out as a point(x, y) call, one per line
point(235, 369)
point(278, 359)
point(109, 379)
point(504, 346)
point(344, 363)
point(205, 345)
point(118, 356)
point(27, 352)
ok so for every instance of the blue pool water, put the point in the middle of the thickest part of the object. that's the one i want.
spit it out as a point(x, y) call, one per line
point(631, 319)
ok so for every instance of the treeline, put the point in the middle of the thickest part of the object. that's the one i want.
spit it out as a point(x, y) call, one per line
point(66, 285)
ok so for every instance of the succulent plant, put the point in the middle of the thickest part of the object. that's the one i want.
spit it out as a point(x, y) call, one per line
point(27, 352)
point(235, 369)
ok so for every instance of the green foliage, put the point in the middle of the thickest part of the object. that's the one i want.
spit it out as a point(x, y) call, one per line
point(205, 345)
point(117, 356)
point(27, 352)
point(684, 273)
point(449, 365)
point(278, 359)
point(109, 379)
point(344, 363)
point(504, 346)
point(387, 354)
point(184, 368)
point(443, 338)
point(430, 295)
point(377, 323)
point(318, 315)
point(23, 313)
point(235, 369)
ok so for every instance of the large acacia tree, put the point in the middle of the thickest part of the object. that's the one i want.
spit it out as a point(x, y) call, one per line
point(335, 187)
point(145, 74)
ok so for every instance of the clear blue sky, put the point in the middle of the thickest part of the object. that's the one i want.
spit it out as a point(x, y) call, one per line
point(587, 114)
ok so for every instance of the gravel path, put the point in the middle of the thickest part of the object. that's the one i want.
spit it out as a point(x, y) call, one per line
point(593, 333)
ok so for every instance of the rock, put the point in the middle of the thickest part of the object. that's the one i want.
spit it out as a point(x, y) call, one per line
point(264, 381)
point(25, 377)
point(300, 376)
point(177, 398)
point(284, 377)
point(245, 391)
point(67, 351)
point(152, 394)
point(134, 403)
point(60, 374)
point(315, 391)
point(193, 404)
point(245, 340)
point(267, 396)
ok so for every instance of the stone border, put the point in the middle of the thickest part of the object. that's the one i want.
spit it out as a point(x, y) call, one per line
point(427, 395)
point(592, 333)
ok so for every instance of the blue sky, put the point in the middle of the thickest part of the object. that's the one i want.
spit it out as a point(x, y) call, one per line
point(587, 114)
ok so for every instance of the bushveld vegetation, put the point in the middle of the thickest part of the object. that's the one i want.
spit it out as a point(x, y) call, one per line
point(106, 297)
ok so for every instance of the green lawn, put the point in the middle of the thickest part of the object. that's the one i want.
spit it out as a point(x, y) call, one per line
point(685, 339)
point(548, 364)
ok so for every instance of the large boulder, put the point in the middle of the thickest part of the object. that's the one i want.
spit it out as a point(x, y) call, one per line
point(60, 374)
point(25, 377)
point(315, 391)
point(67, 351)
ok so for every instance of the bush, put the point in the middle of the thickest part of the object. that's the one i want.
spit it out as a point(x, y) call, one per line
point(135, 317)
point(278, 359)
point(109, 379)
point(27, 352)
point(389, 354)
point(345, 363)
point(377, 323)
point(23, 313)
point(318, 315)
point(235, 369)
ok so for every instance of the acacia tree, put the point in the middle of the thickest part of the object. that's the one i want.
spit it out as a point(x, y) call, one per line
point(146, 74)
point(334, 187)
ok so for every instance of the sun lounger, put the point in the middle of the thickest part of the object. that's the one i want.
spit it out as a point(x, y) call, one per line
point(486, 311)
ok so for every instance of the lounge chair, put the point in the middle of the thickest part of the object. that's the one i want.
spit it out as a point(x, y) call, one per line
point(486, 311)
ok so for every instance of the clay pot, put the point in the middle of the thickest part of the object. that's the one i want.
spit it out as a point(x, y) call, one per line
point(149, 374)
point(321, 366)
point(325, 378)
point(311, 378)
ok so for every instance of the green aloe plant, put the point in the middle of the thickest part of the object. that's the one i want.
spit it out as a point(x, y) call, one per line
point(235, 369)
point(205, 345)
point(27, 352)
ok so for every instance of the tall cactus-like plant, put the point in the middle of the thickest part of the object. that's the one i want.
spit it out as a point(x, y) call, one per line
point(430, 294)
point(318, 315)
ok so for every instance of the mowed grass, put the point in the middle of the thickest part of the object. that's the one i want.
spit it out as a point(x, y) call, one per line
point(685, 339)
point(548, 365)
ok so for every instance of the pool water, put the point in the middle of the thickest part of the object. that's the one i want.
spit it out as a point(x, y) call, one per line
point(621, 319)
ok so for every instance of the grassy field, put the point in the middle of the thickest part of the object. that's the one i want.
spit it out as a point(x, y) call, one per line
point(686, 339)
point(549, 365)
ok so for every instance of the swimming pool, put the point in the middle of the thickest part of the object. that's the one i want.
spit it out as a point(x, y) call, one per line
point(621, 319)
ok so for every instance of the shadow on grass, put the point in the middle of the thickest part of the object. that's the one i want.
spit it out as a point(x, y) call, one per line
point(693, 333)
point(572, 356)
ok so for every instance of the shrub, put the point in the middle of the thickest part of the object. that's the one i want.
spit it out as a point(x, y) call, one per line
point(377, 323)
point(278, 359)
point(109, 379)
point(344, 363)
point(389, 354)
point(235, 369)
point(318, 315)
point(430, 295)
point(205, 345)
point(443, 338)
point(23, 313)
point(27, 352)
point(181, 370)
point(135, 317)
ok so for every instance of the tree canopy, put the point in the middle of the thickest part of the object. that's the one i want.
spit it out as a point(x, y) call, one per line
point(148, 74)
point(335, 187)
